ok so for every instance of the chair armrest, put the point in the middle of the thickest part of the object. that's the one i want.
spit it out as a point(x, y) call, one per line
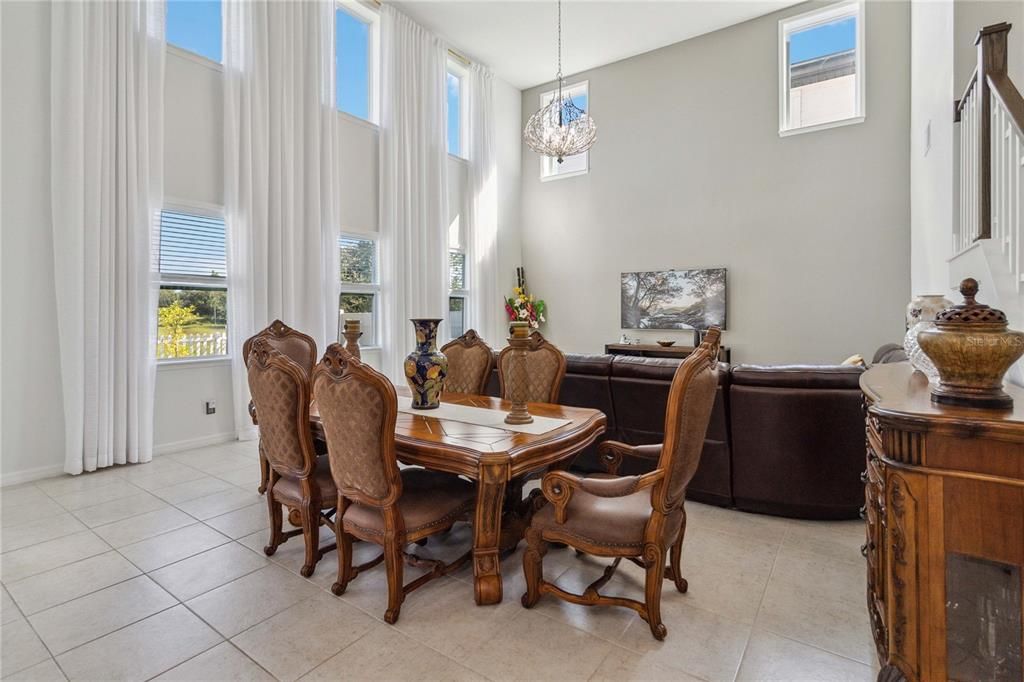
point(611, 453)
point(559, 486)
point(252, 413)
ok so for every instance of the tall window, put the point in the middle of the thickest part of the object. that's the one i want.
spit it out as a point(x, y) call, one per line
point(821, 62)
point(195, 25)
point(458, 285)
point(571, 165)
point(355, 39)
point(454, 93)
point(360, 286)
point(192, 308)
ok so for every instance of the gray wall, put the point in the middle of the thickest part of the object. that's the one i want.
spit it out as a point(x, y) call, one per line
point(689, 171)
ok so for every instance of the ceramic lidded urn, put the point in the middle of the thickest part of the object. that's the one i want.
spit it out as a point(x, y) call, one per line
point(426, 367)
point(924, 308)
point(972, 349)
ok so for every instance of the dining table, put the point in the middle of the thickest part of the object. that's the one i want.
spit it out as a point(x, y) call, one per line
point(467, 436)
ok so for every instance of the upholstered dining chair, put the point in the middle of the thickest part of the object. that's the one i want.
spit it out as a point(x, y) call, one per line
point(376, 501)
point(299, 479)
point(300, 348)
point(545, 369)
point(470, 361)
point(634, 517)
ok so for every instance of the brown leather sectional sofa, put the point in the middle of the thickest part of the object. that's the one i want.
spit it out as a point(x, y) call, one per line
point(785, 440)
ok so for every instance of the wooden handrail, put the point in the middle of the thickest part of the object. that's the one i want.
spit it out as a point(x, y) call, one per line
point(1004, 89)
point(959, 105)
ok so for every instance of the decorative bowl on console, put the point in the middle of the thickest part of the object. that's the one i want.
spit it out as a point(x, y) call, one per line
point(924, 308)
point(666, 344)
point(972, 349)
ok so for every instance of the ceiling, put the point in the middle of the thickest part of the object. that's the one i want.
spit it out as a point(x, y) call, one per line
point(517, 39)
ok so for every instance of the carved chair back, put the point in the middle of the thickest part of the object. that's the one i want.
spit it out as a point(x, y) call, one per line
point(280, 391)
point(300, 347)
point(470, 361)
point(545, 369)
point(358, 409)
point(690, 399)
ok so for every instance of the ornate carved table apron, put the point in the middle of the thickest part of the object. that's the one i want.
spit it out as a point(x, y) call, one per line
point(497, 458)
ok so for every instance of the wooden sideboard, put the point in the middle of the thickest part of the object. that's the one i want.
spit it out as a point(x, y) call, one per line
point(944, 511)
point(655, 351)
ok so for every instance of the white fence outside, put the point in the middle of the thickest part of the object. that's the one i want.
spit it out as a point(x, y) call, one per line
point(192, 345)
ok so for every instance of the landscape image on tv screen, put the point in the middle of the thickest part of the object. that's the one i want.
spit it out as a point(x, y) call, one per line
point(674, 299)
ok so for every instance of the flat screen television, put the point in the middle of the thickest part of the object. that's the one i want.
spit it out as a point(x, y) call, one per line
point(674, 299)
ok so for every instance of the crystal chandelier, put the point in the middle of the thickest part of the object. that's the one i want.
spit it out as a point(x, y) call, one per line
point(560, 128)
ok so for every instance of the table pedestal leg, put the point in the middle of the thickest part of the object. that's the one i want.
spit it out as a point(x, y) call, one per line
point(487, 531)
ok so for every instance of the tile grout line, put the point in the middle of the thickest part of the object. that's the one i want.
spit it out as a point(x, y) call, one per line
point(760, 603)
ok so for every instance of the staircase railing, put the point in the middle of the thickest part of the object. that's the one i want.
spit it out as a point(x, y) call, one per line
point(991, 117)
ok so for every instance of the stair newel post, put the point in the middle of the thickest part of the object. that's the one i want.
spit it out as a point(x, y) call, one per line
point(992, 55)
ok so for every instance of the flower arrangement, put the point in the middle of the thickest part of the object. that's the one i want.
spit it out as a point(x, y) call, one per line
point(524, 306)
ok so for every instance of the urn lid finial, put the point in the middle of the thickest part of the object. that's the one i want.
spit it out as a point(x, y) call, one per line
point(970, 312)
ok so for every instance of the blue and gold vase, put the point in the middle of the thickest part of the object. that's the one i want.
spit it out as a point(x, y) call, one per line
point(426, 367)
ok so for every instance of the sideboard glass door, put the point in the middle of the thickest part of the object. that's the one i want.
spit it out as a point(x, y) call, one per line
point(983, 619)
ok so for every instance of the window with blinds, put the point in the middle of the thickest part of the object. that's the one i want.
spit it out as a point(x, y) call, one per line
point(192, 308)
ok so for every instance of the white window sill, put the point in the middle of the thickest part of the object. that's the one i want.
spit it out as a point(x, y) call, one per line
point(786, 132)
point(192, 363)
point(561, 176)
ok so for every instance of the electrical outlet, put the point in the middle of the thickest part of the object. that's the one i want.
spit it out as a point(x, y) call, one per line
point(211, 407)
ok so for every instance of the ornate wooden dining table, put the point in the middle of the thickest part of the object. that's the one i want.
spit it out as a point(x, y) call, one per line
point(499, 460)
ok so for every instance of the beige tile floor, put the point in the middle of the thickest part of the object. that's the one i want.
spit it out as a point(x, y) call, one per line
point(157, 571)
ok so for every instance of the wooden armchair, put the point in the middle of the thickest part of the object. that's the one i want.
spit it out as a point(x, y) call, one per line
point(298, 347)
point(470, 361)
point(298, 478)
point(634, 517)
point(376, 501)
point(545, 369)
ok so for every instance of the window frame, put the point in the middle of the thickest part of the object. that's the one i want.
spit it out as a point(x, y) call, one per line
point(459, 70)
point(370, 16)
point(546, 161)
point(811, 19)
point(204, 210)
point(363, 288)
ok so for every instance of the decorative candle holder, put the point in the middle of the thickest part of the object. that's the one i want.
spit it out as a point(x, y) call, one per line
point(519, 340)
point(353, 330)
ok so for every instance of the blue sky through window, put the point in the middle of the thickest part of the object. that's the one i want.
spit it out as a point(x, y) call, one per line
point(195, 25)
point(837, 36)
point(352, 50)
point(454, 115)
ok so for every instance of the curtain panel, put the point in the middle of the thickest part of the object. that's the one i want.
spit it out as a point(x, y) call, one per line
point(279, 188)
point(487, 310)
point(106, 154)
point(413, 182)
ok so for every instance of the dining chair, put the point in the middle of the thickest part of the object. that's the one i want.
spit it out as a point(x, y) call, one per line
point(545, 369)
point(376, 501)
point(299, 479)
point(639, 518)
point(470, 361)
point(300, 348)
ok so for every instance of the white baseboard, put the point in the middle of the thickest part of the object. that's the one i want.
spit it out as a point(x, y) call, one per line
point(19, 477)
point(190, 443)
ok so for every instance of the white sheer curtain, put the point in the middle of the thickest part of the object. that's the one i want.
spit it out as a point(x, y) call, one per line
point(106, 154)
point(487, 313)
point(413, 181)
point(280, 199)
